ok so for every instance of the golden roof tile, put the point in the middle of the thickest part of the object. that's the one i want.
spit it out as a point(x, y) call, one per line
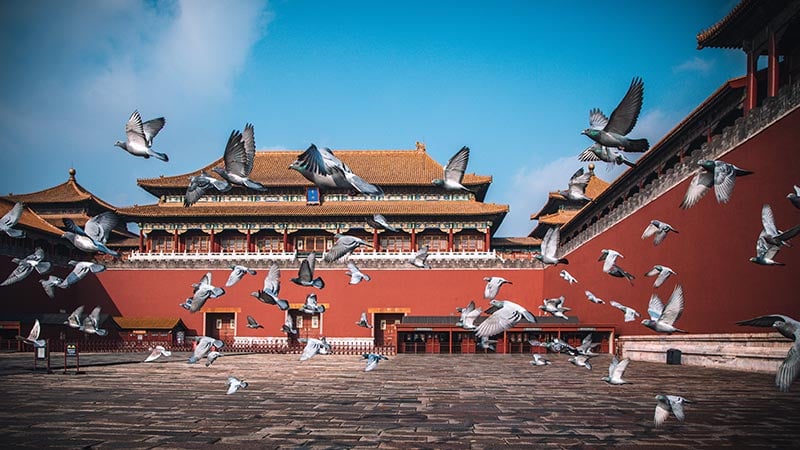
point(68, 192)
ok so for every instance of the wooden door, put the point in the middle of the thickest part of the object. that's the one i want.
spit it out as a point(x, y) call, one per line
point(385, 331)
point(221, 326)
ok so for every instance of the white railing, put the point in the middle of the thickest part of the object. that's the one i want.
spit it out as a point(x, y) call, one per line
point(290, 256)
point(367, 255)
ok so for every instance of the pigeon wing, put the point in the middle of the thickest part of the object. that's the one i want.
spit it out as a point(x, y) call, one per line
point(588, 154)
point(789, 368)
point(249, 142)
point(272, 282)
point(619, 369)
point(151, 128)
point(764, 321)
point(655, 308)
point(499, 321)
point(196, 189)
point(100, 226)
point(768, 220)
point(550, 242)
point(233, 385)
point(457, 165)
point(34, 334)
point(662, 277)
point(235, 155)
point(676, 403)
point(312, 161)
point(624, 117)
point(674, 307)
point(661, 414)
point(698, 187)
point(649, 231)
point(612, 366)
point(12, 216)
point(311, 349)
point(597, 120)
point(339, 249)
point(724, 180)
point(134, 130)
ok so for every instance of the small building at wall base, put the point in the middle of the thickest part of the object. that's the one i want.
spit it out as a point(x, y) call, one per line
point(151, 329)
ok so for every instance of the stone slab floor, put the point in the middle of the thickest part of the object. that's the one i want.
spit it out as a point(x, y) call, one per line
point(424, 401)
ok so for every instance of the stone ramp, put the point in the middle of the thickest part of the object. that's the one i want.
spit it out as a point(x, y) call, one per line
point(424, 401)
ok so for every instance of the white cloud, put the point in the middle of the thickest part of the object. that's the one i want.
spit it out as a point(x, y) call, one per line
point(696, 64)
point(653, 125)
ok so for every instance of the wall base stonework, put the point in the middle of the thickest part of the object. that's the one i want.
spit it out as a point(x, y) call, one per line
point(756, 352)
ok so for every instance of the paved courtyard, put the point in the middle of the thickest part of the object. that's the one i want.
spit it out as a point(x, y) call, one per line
point(426, 401)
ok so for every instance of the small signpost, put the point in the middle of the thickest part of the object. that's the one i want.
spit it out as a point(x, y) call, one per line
point(71, 351)
point(42, 354)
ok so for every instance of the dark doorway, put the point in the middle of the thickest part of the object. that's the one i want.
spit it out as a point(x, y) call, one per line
point(386, 328)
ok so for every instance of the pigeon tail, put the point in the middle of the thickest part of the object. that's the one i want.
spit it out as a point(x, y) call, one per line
point(742, 172)
point(101, 332)
point(43, 267)
point(563, 261)
point(161, 156)
point(255, 185)
point(14, 233)
point(318, 283)
point(282, 304)
point(637, 145)
point(628, 163)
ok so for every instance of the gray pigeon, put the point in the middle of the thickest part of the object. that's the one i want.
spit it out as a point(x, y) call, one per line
point(253, 323)
point(609, 258)
point(555, 306)
point(612, 132)
point(204, 346)
point(663, 273)
point(420, 259)
point(550, 248)
point(237, 272)
point(789, 328)
point(659, 229)
point(468, 316)
point(157, 352)
point(50, 284)
point(10, 219)
point(91, 323)
point(315, 346)
point(794, 197)
point(720, 175)
point(288, 326)
point(81, 269)
point(454, 172)
point(94, 236)
point(305, 275)
point(581, 361)
point(668, 404)
point(200, 184)
point(568, 277)
point(663, 317)
point(139, 137)
point(765, 252)
point(556, 345)
point(234, 384)
point(311, 306)
point(597, 152)
point(772, 234)
point(504, 315)
point(240, 154)
point(619, 272)
point(203, 290)
point(493, 285)
point(577, 186)
point(372, 360)
point(75, 320)
point(587, 346)
point(363, 322)
point(326, 171)
point(344, 246)
point(272, 287)
point(539, 360)
point(615, 371)
point(26, 266)
point(630, 313)
point(356, 275)
point(212, 356)
point(33, 336)
point(593, 298)
point(487, 344)
point(378, 222)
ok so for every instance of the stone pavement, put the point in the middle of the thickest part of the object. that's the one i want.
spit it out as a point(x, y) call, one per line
point(424, 401)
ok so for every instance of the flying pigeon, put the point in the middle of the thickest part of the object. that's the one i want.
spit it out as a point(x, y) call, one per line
point(630, 313)
point(663, 273)
point(202, 292)
point(454, 172)
point(311, 306)
point(344, 245)
point(577, 186)
point(597, 152)
point(487, 344)
point(615, 371)
point(555, 306)
point(91, 323)
point(667, 404)
point(609, 258)
point(75, 320)
point(212, 356)
point(204, 347)
point(789, 328)
point(581, 361)
point(252, 323)
point(549, 248)
point(504, 315)
point(378, 222)
point(93, 237)
point(493, 286)
point(793, 197)
point(556, 345)
point(314, 346)
point(539, 360)
point(355, 274)
point(612, 132)
point(765, 252)
point(272, 287)
point(200, 184)
point(237, 273)
point(305, 276)
point(663, 318)
point(33, 336)
point(372, 360)
point(326, 171)
point(659, 229)
point(619, 272)
point(587, 345)
point(421, 258)
point(362, 322)
point(240, 154)
point(288, 326)
point(720, 175)
point(26, 266)
point(468, 316)
point(10, 219)
point(139, 137)
point(567, 276)
point(234, 384)
point(50, 284)
point(772, 234)
point(157, 352)
point(593, 298)
point(81, 269)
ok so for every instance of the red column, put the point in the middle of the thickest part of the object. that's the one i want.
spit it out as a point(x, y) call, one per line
point(450, 240)
point(249, 249)
point(487, 240)
point(751, 98)
point(376, 244)
point(413, 240)
point(175, 241)
point(141, 240)
point(211, 242)
point(773, 71)
point(285, 240)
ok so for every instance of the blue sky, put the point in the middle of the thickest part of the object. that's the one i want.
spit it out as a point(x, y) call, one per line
point(513, 80)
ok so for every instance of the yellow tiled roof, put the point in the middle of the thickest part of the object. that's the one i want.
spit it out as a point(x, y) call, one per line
point(68, 192)
point(559, 218)
point(29, 219)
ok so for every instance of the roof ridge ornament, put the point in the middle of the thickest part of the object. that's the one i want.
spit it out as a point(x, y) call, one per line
point(420, 146)
point(72, 172)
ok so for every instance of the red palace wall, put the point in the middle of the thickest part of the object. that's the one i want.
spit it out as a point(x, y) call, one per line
point(711, 253)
